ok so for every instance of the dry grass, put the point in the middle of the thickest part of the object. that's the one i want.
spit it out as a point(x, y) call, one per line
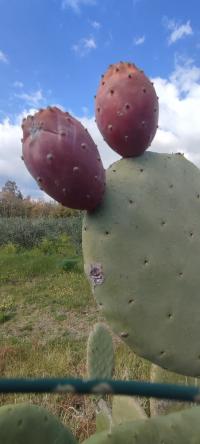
point(45, 334)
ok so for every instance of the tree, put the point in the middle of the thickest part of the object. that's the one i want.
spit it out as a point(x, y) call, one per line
point(11, 200)
point(11, 188)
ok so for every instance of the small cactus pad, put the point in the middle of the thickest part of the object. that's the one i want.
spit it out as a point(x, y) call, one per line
point(160, 375)
point(62, 157)
point(126, 109)
point(100, 353)
point(142, 254)
point(126, 408)
point(31, 424)
point(182, 427)
point(103, 416)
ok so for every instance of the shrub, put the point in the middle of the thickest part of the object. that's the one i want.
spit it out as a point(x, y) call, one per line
point(28, 233)
point(9, 248)
point(70, 263)
point(61, 245)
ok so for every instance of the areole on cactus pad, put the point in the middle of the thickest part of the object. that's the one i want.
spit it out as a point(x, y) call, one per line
point(126, 109)
point(62, 157)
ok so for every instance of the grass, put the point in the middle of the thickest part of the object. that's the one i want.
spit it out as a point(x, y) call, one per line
point(46, 314)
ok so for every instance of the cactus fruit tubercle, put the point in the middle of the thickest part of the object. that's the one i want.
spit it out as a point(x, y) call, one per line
point(126, 109)
point(62, 157)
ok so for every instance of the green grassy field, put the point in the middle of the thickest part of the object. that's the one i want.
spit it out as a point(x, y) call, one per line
point(46, 314)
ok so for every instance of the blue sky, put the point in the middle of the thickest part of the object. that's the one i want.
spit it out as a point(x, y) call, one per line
point(54, 51)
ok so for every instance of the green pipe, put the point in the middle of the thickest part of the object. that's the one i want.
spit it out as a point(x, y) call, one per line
point(100, 386)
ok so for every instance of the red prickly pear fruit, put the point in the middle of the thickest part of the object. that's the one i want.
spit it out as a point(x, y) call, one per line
point(62, 157)
point(126, 109)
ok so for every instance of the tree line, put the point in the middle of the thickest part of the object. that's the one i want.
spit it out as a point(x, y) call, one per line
point(14, 204)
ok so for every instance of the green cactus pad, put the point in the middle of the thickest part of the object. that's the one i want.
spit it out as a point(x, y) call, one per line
point(182, 427)
point(31, 424)
point(160, 375)
point(103, 416)
point(126, 408)
point(100, 353)
point(142, 255)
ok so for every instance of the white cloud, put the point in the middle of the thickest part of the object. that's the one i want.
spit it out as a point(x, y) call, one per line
point(84, 46)
point(3, 57)
point(90, 43)
point(76, 5)
point(186, 75)
point(179, 113)
point(96, 25)
point(33, 99)
point(139, 40)
point(18, 84)
point(11, 165)
point(178, 31)
point(179, 129)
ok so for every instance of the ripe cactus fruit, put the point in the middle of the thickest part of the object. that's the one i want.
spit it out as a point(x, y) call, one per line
point(63, 158)
point(31, 424)
point(126, 109)
point(182, 427)
point(100, 353)
point(141, 251)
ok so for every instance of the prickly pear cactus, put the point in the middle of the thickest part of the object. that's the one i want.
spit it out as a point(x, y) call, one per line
point(103, 416)
point(141, 252)
point(31, 424)
point(100, 353)
point(62, 157)
point(100, 364)
point(182, 427)
point(126, 109)
point(125, 409)
point(160, 375)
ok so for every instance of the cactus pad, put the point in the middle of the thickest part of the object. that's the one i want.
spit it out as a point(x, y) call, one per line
point(125, 409)
point(100, 353)
point(161, 406)
point(31, 424)
point(142, 253)
point(182, 427)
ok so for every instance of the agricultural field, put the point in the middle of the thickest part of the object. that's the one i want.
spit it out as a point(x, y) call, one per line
point(46, 313)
